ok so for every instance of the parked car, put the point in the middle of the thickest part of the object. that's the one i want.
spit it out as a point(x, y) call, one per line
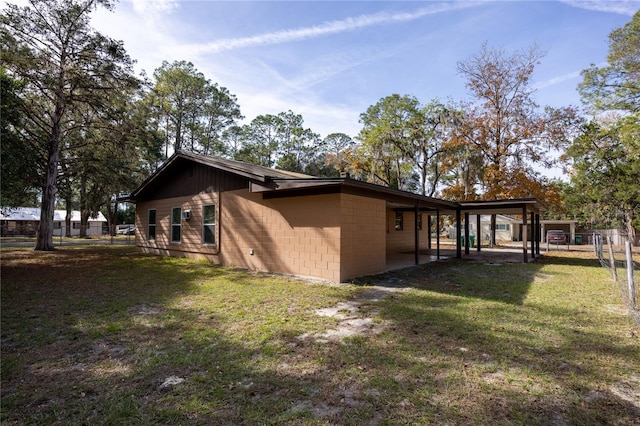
point(556, 237)
point(129, 230)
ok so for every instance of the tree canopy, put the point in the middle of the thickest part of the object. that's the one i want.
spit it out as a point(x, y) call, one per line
point(605, 157)
point(616, 86)
point(505, 126)
point(192, 111)
point(69, 72)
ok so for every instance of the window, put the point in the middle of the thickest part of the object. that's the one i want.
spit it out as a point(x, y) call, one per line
point(399, 221)
point(176, 224)
point(209, 224)
point(151, 229)
point(502, 226)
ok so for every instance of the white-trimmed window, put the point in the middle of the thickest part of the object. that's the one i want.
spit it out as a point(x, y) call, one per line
point(151, 227)
point(502, 226)
point(399, 224)
point(209, 224)
point(176, 224)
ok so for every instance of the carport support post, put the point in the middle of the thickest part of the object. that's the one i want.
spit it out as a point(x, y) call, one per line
point(429, 231)
point(417, 234)
point(438, 234)
point(478, 231)
point(538, 234)
point(533, 235)
point(458, 235)
point(466, 233)
point(524, 234)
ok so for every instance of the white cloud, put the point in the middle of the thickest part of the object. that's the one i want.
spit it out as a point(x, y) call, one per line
point(625, 7)
point(562, 78)
point(320, 116)
point(146, 39)
point(557, 80)
point(153, 8)
point(327, 28)
point(324, 68)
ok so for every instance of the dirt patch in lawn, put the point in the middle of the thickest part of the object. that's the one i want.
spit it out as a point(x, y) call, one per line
point(355, 317)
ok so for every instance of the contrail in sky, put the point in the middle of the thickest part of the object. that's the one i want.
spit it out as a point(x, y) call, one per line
point(327, 28)
point(624, 7)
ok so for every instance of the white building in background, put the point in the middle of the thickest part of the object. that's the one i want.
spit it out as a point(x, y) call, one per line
point(507, 228)
point(510, 229)
point(24, 221)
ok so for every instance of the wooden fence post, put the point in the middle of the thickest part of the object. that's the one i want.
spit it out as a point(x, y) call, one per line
point(612, 260)
point(632, 288)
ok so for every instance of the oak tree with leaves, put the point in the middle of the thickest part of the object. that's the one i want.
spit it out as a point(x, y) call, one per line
point(506, 127)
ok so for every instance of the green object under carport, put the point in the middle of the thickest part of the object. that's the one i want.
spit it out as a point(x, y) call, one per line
point(472, 240)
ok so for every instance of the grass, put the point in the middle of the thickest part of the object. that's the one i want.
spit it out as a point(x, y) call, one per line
point(91, 335)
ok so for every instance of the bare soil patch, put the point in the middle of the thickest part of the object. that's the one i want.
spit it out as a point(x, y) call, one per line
point(355, 317)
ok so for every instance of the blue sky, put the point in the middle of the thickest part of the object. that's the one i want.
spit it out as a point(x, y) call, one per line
point(330, 60)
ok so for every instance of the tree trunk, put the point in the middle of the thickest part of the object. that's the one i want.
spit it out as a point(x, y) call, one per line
point(84, 209)
point(84, 221)
point(178, 143)
point(112, 217)
point(67, 220)
point(44, 237)
point(628, 223)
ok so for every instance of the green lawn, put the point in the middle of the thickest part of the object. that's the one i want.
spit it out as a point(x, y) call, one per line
point(105, 335)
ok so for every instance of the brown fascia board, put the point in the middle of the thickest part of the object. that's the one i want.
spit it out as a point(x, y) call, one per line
point(299, 187)
point(510, 206)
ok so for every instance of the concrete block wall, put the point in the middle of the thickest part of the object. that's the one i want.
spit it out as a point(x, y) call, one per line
point(333, 236)
point(400, 241)
point(363, 239)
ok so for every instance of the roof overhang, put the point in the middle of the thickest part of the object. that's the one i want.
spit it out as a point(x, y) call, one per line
point(400, 199)
point(273, 183)
point(512, 206)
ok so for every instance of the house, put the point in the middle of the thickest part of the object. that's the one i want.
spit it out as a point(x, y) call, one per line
point(260, 218)
point(507, 228)
point(24, 221)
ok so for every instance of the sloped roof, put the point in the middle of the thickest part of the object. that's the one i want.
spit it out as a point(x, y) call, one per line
point(239, 167)
point(279, 183)
point(251, 171)
point(33, 214)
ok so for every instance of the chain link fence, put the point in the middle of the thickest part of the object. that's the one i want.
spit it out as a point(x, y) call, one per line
point(625, 271)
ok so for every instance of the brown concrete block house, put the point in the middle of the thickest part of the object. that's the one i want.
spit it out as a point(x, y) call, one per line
point(234, 213)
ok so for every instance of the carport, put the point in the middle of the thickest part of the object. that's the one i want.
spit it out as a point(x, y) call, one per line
point(529, 209)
